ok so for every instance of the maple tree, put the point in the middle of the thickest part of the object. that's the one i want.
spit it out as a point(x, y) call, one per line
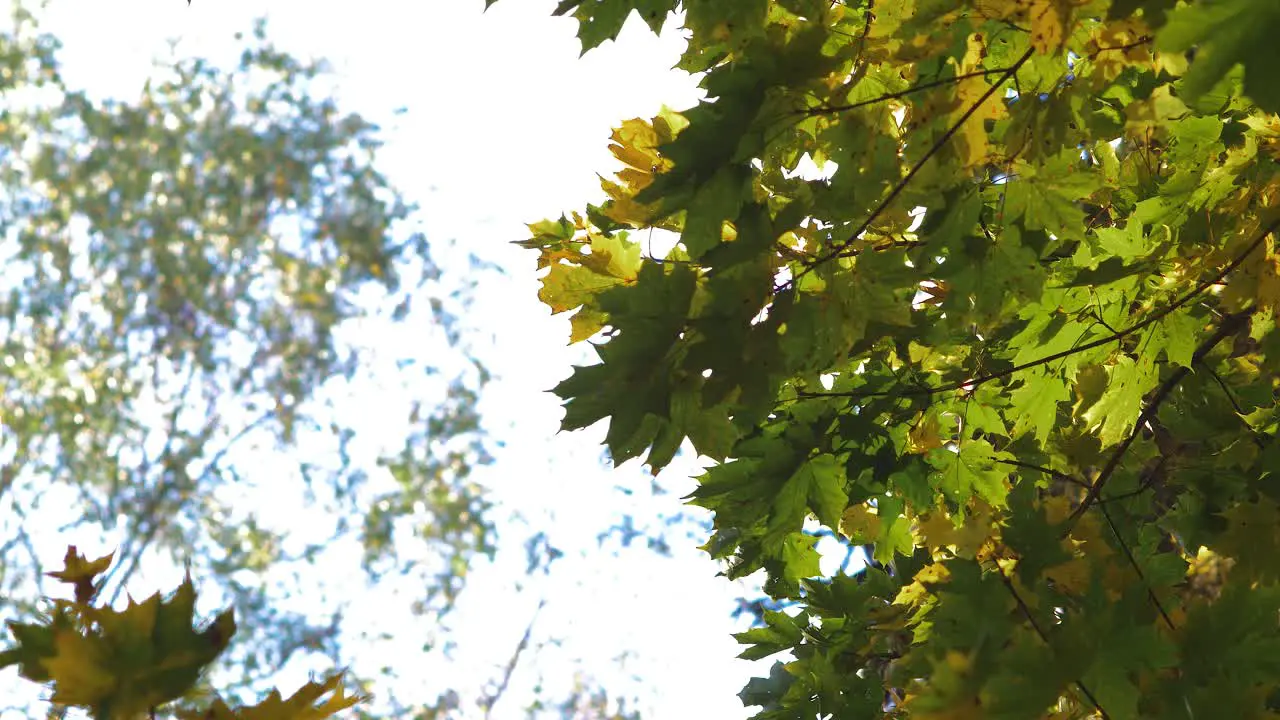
point(1019, 338)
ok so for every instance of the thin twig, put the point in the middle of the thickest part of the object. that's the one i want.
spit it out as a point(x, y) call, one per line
point(901, 185)
point(1155, 317)
point(830, 109)
point(492, 699)
point(1047, 471)
point(1026, 611)
point(1124, 546)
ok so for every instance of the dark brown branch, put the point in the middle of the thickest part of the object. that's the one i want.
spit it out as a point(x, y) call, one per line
point(1026, 612)
point(1145, 485)
point(488, 702)
point(1047, 471)
point(830, 109)
point(1155, 317)
point(1124, 546)
point(1128, 46)
point(1235, 404)
point(1137, 569)
point(1229, 326)
point(901, 185)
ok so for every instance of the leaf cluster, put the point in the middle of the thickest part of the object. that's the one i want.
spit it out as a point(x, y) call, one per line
point(125, 664)
point(1019, 339)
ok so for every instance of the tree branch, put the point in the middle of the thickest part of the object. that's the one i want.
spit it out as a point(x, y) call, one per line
point(492, 699)
point(830, 109)
point(1230, 325)
point(1026, 612)
point(901, 185)
point(1155, 317)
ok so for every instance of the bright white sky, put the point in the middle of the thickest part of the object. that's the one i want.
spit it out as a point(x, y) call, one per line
point(504, 125)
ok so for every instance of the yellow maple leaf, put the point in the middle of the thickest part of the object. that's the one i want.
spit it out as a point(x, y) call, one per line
point(971, 140)
point(80, 572)
point(79, 670)
point(1153, 113)
point(1268, 293)
point(300, 706)
point(1072, 576)
point(860, 523)
point(1050, 21)
point(579, 276)
point(1117, 45)
point(938, 531)
point(636, 143)
point(1254, 281)
point(926, 435)
point(915, 592)
point(1087, 549)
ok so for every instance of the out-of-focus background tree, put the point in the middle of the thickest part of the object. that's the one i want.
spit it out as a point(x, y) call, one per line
point(183, 274)
point(230, 343)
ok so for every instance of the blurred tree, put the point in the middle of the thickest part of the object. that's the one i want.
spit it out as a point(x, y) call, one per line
point(181, 274)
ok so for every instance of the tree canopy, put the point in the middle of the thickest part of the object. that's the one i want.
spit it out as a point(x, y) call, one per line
point(1017, 335)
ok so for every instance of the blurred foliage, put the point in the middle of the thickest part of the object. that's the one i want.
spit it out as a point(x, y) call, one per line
point(182, 273)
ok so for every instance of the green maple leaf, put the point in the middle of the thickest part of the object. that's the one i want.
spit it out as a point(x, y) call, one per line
point(1122, 647)
point(823, 481)
point(600, 20)
point(834, 352)
point(1033, 406)
point(1252, 537)
point(716, 201)
point(766, 692)
point(780, 632)
point(1226, 33)
point(1115, 412)
point(1047, 197)
point(971, 470)
point(1176, 335)
point(35, 644)
point(799, 557)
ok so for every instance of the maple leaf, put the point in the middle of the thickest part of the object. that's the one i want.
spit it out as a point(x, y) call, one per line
point(1252, 539)
point(965, 536)
point(123, 662)
point(1115, 412)
point(972, 139)
point(578, 278)
point(971, 470)
point(1226, 33)
point(1050, 24)
point(305, 704)
point(80, 572)
point(81, 671)
point(636, 143)
point(1034, 405)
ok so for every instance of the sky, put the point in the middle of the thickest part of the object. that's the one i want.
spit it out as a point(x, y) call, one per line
point(492, 121)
